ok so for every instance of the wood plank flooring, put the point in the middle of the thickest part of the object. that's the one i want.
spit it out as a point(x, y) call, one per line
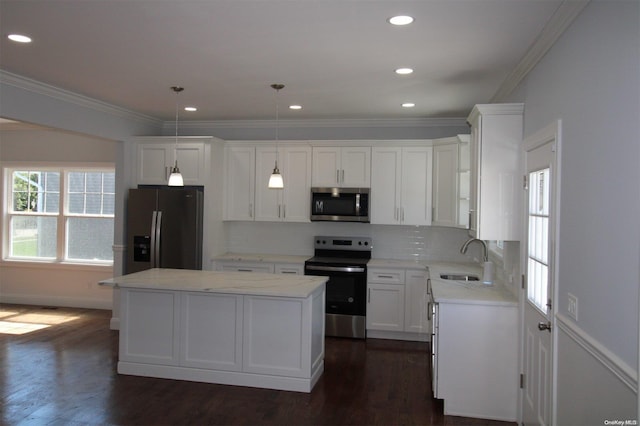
point(65, 374)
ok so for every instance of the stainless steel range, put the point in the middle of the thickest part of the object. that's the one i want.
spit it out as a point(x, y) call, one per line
point(344, 261)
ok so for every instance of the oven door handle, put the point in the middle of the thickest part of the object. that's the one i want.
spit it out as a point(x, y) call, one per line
point(335, 268)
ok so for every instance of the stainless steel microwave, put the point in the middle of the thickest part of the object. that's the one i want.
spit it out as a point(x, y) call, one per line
point(340, 204)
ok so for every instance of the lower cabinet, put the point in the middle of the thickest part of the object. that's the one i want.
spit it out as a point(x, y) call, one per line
point(475, 360)
point(397, 304)
point(255, 266)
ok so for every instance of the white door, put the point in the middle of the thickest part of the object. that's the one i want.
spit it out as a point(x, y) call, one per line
point(539, 250)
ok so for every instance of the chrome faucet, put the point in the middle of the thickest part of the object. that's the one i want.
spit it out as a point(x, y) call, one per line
point(463, 249)
point(487, 267)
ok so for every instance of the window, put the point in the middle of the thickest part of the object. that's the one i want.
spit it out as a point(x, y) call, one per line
point(61, 214)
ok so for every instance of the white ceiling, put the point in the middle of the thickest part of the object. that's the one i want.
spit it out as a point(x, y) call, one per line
point(335, 57)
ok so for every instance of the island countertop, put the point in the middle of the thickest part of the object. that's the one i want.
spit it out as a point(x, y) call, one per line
point(259, 284)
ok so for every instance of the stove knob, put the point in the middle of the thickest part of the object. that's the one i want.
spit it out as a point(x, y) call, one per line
point(350, 300)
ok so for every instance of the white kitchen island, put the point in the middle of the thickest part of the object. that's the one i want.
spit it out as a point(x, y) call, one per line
point(236, 328)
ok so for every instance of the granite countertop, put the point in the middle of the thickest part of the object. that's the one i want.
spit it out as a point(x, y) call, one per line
point(467, 292)
point(259, 284)
point(261, 257)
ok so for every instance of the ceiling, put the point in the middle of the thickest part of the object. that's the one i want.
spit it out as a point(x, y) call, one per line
point(336, 58)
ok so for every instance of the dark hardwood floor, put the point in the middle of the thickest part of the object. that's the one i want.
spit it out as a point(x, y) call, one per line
point(65, 374)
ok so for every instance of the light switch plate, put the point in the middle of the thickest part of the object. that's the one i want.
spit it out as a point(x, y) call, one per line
point(573, 306)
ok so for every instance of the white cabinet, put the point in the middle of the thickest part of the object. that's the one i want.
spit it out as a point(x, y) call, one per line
point(239, 185)
point(207, 318)
point(496, 182)
point(346, 167)
point(401, 185)
point(240, 266)
point(290, 204)
point(289, 268)
point(445, 185)
point(268, 265)
point(397, 304)
point(157, 156)
point(451, 182)
point(475, 360)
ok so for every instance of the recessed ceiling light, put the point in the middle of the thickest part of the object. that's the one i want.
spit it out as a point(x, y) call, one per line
point(404, 71)
point(408, 105)
point(190, 108)
point(401, 20)
point(295, 106)
point(20, 38)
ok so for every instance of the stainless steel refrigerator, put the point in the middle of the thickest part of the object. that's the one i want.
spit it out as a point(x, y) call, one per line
point(164, 228)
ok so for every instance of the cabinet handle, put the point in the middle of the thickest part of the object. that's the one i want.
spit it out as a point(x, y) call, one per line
point(279, 208)
point(284, 211)
point(245, 270)
point(342, 180)
point(289, 272)
point(369, 296)
point(385, 276)
point(429, 313)
point(337, 176)
point(250, 210)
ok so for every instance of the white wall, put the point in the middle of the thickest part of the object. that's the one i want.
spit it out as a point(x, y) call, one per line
point(591, 80)
point(54, 284)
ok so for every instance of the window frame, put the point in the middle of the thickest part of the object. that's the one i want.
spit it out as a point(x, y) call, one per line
point(62, 216)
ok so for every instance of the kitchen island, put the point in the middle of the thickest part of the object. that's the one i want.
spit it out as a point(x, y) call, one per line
point(259, 330)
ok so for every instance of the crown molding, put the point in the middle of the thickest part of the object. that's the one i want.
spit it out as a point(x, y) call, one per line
point(321, 123)
point(44, 89)
point(555, 27)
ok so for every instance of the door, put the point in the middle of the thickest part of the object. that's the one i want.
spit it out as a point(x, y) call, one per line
point(539, 262)
point(416, 185)
point(180, 222)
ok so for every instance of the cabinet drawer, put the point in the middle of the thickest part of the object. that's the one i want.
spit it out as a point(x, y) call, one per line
point(247, 267)
point(384, 276)
point(289, 269)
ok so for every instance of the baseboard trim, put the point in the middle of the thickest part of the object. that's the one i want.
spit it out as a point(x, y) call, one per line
point(66, 302)
point(604, 356)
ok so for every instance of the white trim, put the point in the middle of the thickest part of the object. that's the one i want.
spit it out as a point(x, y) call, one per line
point(320, 123)
point(604, 356)
point(71, 97)
point(557, 25)
point(62, 301)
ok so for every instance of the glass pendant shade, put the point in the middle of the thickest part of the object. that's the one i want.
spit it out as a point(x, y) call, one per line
point(275, 180)
point(175, 178)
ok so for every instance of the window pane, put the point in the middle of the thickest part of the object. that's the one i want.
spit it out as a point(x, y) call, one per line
point(76, 203)
point(90, 239)
point(109, 203)
point(94, 204)
point(76, 182)
point(33, 236)
point(109, 183)
point(36, 191)
point(94, 182)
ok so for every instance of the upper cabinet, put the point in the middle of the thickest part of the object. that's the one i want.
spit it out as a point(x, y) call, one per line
point(247, 171)
point(495, 183)
point(157, 155)
point(239, 185)
point(346, 167)
point(290, 204)
point(451, 182)
point(401, 185)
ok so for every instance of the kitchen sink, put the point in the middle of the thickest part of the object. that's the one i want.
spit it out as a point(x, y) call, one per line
point(459, 277)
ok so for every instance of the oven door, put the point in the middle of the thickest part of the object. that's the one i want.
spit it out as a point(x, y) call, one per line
point(346, 290)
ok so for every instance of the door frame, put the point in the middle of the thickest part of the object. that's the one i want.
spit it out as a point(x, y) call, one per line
point(551, 132)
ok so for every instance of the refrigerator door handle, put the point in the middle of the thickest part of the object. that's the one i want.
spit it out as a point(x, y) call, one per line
point(158, 234)
point(154, 215)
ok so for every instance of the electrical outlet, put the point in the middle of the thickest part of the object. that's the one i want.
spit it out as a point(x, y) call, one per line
point(573, 306)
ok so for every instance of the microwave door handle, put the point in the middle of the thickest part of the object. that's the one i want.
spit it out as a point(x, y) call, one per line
point(357, 204)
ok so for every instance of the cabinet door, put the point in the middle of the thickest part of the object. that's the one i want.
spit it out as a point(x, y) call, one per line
point(474, 181)
point(385, 307)
point(384, 203)
point(445, 185)
point(296, 198)
point(355, 167)
point(268, 202)
point(149, 326)
point(191, 162)
point(416, 185)
point(211, 331)
point(415, 308)
point(235, 266)
point(154, 160)
point(239, 183)
point(326, 166)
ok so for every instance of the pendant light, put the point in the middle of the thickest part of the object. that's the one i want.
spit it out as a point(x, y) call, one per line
point(275, 180)
point(175, 178)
